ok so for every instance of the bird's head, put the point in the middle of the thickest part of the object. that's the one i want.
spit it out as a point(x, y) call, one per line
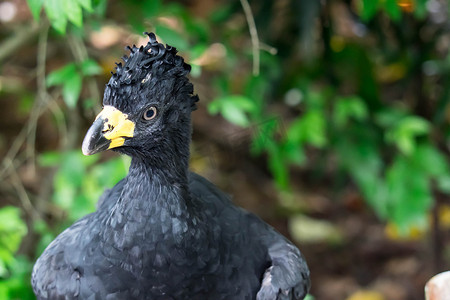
point(146, 105)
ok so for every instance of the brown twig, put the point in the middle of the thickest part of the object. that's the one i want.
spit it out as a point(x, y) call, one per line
point(253, 35)
point(41, 98)
point(22, 193)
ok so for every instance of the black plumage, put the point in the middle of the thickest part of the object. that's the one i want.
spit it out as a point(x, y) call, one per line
point(163, 232)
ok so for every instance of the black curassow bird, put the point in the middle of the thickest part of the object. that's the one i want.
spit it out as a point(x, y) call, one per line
point(163, 232)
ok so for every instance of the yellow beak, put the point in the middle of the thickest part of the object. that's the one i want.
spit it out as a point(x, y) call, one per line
point(108, 131)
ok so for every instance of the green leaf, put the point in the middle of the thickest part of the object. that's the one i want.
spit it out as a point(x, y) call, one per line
point(405, 143)
point(214, 107)
point(49, 159)
point(430, 160)
point(60, 76)
point(392, 9)
point(17, 284)
point(409, 193)
point(72, 90)
point(233, 108)
point(86, 4)
point(414, 125)
point(12, 230)
point(35, 8)
point(368, 9)
point(361, 159)
point(56, 15)
point(293, 152)
point(235, 115)
point(309, 128)
point(90, 67)
point(244, 103)
point(350, 107)
point(73, 11)
point(404, 133)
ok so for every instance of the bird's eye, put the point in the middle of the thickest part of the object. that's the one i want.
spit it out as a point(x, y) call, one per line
point(150, 113)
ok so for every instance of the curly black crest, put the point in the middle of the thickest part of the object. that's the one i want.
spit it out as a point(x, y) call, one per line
point(144, 67)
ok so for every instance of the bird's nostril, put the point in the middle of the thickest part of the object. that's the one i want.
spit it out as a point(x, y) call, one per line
point(109, 128)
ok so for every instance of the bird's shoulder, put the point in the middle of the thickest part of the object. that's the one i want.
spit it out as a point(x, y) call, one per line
point(286, 275)
point(218, 208)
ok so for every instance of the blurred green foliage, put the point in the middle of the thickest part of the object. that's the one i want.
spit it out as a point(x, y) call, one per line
point(60, 12)
point(14, 271)
point(70, 78)
point(370, 100)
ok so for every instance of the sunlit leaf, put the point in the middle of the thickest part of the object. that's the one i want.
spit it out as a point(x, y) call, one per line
point(17, 285)
point(60, 76)
point(35, 8)
point(414, 125)
point(235, 115)
point(233, 108)
point(73, 11)
point(12, 230)
point(404, 133)
point(56, 15)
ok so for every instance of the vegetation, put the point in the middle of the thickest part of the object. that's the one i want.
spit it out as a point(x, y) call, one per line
point(348, 92)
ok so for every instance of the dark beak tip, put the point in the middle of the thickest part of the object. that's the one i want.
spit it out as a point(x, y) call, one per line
point(86, 151)
point(86, 146)
point(94, 141)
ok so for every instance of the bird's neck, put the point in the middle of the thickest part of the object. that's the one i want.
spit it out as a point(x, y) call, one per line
point(151, 205)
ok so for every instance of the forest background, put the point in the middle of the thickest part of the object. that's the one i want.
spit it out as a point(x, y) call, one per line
point(329, 119)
